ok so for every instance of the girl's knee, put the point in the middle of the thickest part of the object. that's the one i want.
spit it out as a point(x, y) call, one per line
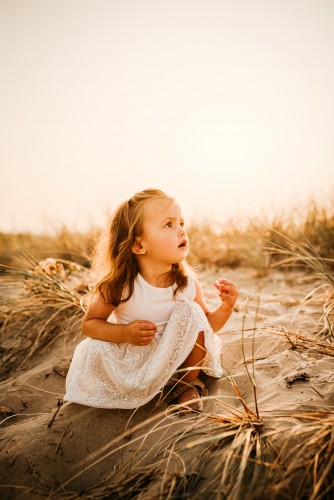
point(199, 346)
point(200, 339)
point(187, 309)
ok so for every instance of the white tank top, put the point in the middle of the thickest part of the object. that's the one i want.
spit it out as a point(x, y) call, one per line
point(151, 303)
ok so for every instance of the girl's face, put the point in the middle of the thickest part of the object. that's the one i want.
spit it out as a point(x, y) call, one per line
point(164, 238)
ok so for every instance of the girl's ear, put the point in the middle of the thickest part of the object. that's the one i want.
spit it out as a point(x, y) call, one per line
point(137, 248)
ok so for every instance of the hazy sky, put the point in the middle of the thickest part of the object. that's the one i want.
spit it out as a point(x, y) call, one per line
point(227, 105)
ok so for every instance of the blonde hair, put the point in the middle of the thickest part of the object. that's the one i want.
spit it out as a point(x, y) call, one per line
point(114, 251)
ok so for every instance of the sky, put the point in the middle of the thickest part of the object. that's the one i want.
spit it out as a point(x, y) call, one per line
point(226, 105)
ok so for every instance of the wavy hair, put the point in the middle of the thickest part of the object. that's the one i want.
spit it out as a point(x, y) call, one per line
point(114, 250)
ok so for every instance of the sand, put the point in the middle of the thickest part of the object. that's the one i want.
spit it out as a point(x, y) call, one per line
point(55, 450)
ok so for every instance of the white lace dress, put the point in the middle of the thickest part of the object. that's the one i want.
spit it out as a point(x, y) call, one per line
point(109, 375)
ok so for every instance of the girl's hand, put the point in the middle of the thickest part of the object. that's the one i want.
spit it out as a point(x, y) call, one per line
point(228, 293)
point(140, 332)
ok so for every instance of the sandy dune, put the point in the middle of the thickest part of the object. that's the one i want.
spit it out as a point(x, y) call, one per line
point(83, 449)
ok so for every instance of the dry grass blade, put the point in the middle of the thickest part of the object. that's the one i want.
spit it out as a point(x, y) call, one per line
point(251, 378)
point(303, 341)
point(297, 339)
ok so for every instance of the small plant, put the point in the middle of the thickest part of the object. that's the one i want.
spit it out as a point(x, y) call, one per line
point(305, 255)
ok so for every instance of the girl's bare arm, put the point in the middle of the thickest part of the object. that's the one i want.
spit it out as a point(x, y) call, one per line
point(96, 326)
point(228, 293)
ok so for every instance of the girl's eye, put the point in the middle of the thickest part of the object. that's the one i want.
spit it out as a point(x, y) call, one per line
point(182, 224)
point(169, 224)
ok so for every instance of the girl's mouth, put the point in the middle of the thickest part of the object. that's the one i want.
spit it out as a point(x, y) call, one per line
point(183, 244)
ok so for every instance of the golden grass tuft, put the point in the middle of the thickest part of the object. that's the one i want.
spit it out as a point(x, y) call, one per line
point(42, 302)
point(306, 460)
point(199, 456)
point(305, 254)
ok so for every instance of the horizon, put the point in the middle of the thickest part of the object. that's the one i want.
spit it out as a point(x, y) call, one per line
point(294, 213)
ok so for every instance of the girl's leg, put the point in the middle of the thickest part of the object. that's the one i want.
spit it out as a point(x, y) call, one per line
point(195, 359)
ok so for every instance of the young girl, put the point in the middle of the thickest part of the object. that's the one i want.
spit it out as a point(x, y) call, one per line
point(148, 318)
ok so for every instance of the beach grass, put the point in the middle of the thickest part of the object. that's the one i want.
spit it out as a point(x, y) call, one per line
point(44, 291)
point(39, 303)
point(235, 243)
